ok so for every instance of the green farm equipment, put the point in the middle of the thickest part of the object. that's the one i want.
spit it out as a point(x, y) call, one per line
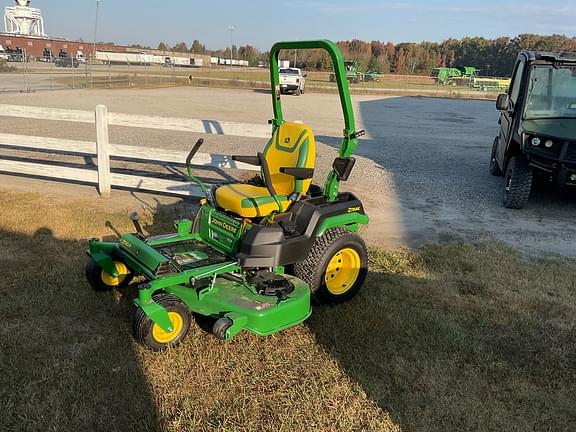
point(256, 253)
point(353, 75)
point(454, 75)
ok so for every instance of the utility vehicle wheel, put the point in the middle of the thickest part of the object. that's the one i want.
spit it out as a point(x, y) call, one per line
point(517, 182)
point(336, 266)
point(494, 168)
point(149, 334)
point(101, 280)
point(297, 92)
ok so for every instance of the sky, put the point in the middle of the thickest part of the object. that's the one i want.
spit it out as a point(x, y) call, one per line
point(261, 23)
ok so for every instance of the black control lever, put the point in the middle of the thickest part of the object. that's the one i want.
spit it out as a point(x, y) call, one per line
point(135, 218)
point(194, 151)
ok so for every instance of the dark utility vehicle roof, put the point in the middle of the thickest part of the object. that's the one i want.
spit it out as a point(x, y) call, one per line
point(550, 56)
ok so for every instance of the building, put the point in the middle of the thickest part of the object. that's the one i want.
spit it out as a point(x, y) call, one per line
point(34, 47)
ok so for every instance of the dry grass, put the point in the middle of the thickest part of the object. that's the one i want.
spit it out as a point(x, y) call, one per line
point(452, 337)
point(5, 67)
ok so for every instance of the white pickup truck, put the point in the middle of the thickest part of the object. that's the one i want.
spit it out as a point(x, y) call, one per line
point(292, 80)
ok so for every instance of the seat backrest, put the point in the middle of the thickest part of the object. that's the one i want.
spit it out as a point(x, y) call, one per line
point(292, 145)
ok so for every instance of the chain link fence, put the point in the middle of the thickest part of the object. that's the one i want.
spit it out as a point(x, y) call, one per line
point(45, 76)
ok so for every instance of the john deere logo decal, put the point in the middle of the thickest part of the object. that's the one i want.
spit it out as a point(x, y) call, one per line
point(230, 228)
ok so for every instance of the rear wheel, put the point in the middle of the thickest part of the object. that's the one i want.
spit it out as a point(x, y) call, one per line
point(494, 168)
point(151, 335)
point(297, 92)
point(518, 182)
point(101, 280)
point(335, 267)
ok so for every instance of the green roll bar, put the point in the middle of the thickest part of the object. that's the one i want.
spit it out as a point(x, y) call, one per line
point(349, 141)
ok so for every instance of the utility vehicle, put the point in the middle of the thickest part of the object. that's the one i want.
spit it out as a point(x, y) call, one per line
point(537, 125)
point(256, 252)
point(292, 80)
point(67, 62)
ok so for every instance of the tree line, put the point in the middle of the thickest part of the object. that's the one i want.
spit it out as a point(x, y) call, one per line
point(494, 57)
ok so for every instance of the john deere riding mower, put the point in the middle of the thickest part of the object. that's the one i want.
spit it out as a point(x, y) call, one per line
point(257, 252)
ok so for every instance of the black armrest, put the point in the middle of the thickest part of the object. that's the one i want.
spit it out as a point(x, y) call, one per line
point(267, 176)
point(251, 160)
point(299, 173)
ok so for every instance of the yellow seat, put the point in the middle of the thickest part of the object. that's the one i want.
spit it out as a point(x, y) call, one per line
point(291, 146)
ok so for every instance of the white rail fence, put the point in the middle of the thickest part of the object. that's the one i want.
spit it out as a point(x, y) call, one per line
point(104, 150)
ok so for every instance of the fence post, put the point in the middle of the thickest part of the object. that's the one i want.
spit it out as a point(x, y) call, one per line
point(103, 150)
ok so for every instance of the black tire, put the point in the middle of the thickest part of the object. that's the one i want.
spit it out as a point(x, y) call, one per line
point(221, 326)
point(146, 331)
point(517, 182)
point(313, 270)
point(494, 168)
point(297, 92)
point(102, 281)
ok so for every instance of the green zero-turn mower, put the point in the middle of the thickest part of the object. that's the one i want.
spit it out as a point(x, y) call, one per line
point(257, 252)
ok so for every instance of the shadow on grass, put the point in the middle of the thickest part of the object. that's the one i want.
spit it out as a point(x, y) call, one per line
point(67, 356)
point(461, 337)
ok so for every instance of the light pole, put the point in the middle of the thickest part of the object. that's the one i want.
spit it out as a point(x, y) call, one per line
point(231, 28)
point(95, 29)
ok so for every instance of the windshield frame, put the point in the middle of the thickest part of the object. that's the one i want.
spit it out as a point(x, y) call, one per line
point(550, 97)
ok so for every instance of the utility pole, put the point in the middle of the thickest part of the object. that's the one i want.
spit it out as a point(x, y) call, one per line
point(95, 29)
point(231, 28)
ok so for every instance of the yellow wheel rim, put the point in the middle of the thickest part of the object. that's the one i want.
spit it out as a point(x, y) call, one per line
point(342, 271)
point(110, 280)
point(164, 337)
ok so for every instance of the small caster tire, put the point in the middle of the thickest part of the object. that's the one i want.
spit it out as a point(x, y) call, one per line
point(151, 335)
point(101, 280)
point(221, 326)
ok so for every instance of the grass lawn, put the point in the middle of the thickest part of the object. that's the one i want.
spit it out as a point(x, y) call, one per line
point(451, 337)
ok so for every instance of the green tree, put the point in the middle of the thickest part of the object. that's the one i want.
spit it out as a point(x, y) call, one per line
point(180, 47)
point(197, 47)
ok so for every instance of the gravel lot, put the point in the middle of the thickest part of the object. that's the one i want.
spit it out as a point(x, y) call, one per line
point(422, 170)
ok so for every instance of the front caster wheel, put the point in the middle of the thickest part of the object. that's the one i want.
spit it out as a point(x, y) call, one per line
point(151, 335)
point(336, 266)
point(101, 280)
